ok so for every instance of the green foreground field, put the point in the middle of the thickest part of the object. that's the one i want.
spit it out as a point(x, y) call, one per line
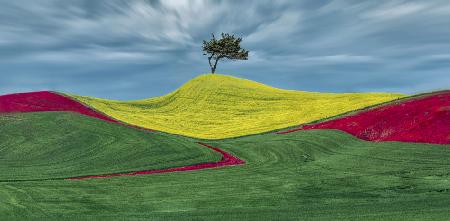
point(52, 145)
point(306, 175)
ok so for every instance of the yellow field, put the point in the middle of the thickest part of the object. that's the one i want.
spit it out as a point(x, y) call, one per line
point(219, 106)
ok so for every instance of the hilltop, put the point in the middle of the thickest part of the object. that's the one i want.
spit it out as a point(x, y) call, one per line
point(214, 106)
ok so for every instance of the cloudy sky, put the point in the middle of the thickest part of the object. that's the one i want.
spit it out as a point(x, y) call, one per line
point(138, 49)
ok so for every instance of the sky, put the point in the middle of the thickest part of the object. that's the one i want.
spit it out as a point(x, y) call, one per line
point(138, 49)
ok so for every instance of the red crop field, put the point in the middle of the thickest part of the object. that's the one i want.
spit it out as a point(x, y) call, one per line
point(46, 101)
point(424, 119)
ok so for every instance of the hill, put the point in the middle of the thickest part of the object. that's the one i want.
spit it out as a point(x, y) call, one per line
point(422, 118)
point(46, 101)
point(310, 174)
point(218, 106)
point(56, 145)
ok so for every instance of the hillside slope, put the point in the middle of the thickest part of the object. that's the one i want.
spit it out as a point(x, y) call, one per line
point(423, 119)
point(218, 106)
point(41, 101)
point(51, 145)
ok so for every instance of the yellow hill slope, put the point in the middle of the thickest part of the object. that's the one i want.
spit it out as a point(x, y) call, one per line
point(219, 106)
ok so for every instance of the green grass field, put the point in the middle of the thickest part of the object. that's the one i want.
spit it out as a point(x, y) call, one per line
point(59, 145)
point(306, 175)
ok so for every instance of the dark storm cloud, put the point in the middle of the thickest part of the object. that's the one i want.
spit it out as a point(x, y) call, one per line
point(137, 49)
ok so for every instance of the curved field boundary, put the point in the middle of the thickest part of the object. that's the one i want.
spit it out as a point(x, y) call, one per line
point(421, 119)
point(227, 160)
point(46, 101)
point(50, 101)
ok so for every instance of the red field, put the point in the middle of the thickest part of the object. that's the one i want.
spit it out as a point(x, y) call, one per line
point(45, 101)
point(424, 119)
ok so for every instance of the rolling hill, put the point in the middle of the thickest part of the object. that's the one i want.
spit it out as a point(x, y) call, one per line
point(46, 101)
point(47, 157)
point(57, 145)
point(422, 118)
point(214, 106)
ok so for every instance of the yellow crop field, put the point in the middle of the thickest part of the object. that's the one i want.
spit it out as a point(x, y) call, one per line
point(214, 106)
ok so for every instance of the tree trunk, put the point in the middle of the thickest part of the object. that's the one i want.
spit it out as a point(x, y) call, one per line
point(213, 69)
point(210, 65)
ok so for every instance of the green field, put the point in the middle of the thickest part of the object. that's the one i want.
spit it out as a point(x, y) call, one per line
point(60, 145)
point(306, 175)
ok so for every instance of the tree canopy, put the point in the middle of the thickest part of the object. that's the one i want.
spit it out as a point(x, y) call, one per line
point(228, 47)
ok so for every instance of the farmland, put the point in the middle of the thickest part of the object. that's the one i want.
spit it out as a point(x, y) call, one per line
point(55, 145)
point(422, 118)
point(219, 106)
point(44, 101)
point(316, 175)
point(332, 110)
point(53, 150)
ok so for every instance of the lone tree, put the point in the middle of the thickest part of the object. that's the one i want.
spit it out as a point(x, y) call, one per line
point(227, 47)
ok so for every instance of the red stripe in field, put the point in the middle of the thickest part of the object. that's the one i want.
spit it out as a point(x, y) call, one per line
point(424, 120)
point(227, 160)
point(46, 101)
point(49, 101)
